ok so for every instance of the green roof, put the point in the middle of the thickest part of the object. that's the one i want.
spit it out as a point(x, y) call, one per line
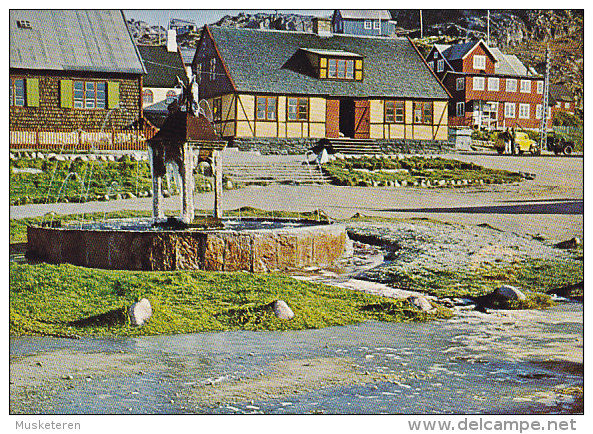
point(271, 61)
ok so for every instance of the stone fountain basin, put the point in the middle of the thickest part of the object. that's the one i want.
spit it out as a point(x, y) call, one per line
point(255, 245)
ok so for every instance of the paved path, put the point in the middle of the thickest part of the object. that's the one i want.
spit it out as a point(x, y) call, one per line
point(551, 205)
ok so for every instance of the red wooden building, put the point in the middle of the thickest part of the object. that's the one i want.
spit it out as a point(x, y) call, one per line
point(489, 89)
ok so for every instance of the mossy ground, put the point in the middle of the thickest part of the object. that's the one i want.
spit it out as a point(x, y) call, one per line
point(66, 300)
point(367, 171)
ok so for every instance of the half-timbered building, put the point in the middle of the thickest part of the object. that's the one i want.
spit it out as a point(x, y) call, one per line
point(297, 85)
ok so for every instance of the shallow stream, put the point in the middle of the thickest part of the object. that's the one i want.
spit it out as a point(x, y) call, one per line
point(509, 362)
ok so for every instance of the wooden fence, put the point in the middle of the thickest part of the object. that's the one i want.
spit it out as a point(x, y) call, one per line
point(83, 140)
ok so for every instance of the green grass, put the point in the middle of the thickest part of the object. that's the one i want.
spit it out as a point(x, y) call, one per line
point(66, 300)
point(348, 171)
point(68, 181)
point(535, 277)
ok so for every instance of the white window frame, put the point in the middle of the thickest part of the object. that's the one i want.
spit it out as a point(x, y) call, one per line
point(538, 111)
point(377, 25)
point(511, 85)
point(440, 65)
point(524, 86)
point(435, 55)
point(509, 110)
point(479, 61)
point(540, 87)
point(478, 83)
point(368, 24)
point(212, 74)
point(460, 109)
point(524, 111)
point(460, 83)
point(491, 84)
point(566, 105)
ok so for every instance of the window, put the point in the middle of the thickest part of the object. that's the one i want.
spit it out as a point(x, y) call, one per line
point(435, 55)
point(199, 72)
point(147, 96)
point(493, 84)
point(376, 25)
point(511, 85)
point(558, 104)
point(460, 83)
point(540, 87)
point(171, 96)
point(509, 110)
point(460, 109)
point(440, 65)
point(423, 112)
point(23, 24)
point(213, 68)
point(368, 25)
point(298, 109)
point(566, 105)
point(478, 83)
point(341, 68)
point(394, 112)
point(479, 62)
point(538, 111)
point(266, 108)
point(523, 111)
point(17, 92)
point(89, 94)
point(217, 109)
point(525, 86)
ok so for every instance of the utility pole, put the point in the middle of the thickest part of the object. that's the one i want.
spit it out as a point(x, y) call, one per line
point(545, 102)
point(488, 27)
point(421, 32)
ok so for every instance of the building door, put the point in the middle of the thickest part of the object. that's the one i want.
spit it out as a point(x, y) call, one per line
point(362, 119)
point(332, 118)
point(347, 118)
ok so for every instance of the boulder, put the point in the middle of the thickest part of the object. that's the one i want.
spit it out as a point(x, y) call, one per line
point(420, 303)
point(573, 243)
point(509, 292)
point(140, 312)
point(281, 310)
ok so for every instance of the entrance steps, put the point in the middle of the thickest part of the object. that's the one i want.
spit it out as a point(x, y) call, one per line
point(349, 146)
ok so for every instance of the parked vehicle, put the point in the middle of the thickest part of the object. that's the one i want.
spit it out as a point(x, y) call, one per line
point(517, 142)
point(559, 144)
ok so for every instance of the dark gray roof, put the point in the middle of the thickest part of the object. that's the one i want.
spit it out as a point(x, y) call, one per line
point(457, 51)
point(271, 61)
point(559, 92)
point(73, 40)
point(369, 14)
point(162, 67)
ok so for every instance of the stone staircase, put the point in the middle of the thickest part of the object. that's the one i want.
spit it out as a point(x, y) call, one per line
point(263, 172)
point(356, 146)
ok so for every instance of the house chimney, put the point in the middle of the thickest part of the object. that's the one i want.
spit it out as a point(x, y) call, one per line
point(322, 26)
point(171, 40)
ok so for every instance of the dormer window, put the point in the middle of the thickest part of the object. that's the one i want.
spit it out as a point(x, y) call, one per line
point(479, 62)
point(335, 64)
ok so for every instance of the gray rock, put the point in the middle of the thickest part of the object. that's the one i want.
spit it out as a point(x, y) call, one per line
point(281, 310)
point(509, 292)
point(573, 243)
point(140, 312)
point(420, 303)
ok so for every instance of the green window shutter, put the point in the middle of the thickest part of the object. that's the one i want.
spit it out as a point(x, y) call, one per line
point(32, 86)
point(66, 97)
point(112, 94)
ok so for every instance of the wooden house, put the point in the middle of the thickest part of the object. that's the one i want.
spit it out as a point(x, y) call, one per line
point(489, 88)
point(71, 70)
point(561, 99)
point(372, 22)
point(297, 85)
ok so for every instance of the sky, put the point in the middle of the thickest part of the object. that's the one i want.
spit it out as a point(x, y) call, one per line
point(205, 16)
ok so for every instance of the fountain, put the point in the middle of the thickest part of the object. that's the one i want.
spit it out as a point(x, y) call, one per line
point(212, 243)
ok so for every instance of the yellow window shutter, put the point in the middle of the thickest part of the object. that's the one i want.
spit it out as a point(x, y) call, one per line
point(358, 75)
point(66, 97)
point(358, 64)
point(32, 86)
point(112, 94)
point(322, 73)
point(322, 62)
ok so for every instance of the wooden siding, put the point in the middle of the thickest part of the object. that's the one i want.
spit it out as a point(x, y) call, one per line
point(332, 118)
point(362, 121)
point(49, 114)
